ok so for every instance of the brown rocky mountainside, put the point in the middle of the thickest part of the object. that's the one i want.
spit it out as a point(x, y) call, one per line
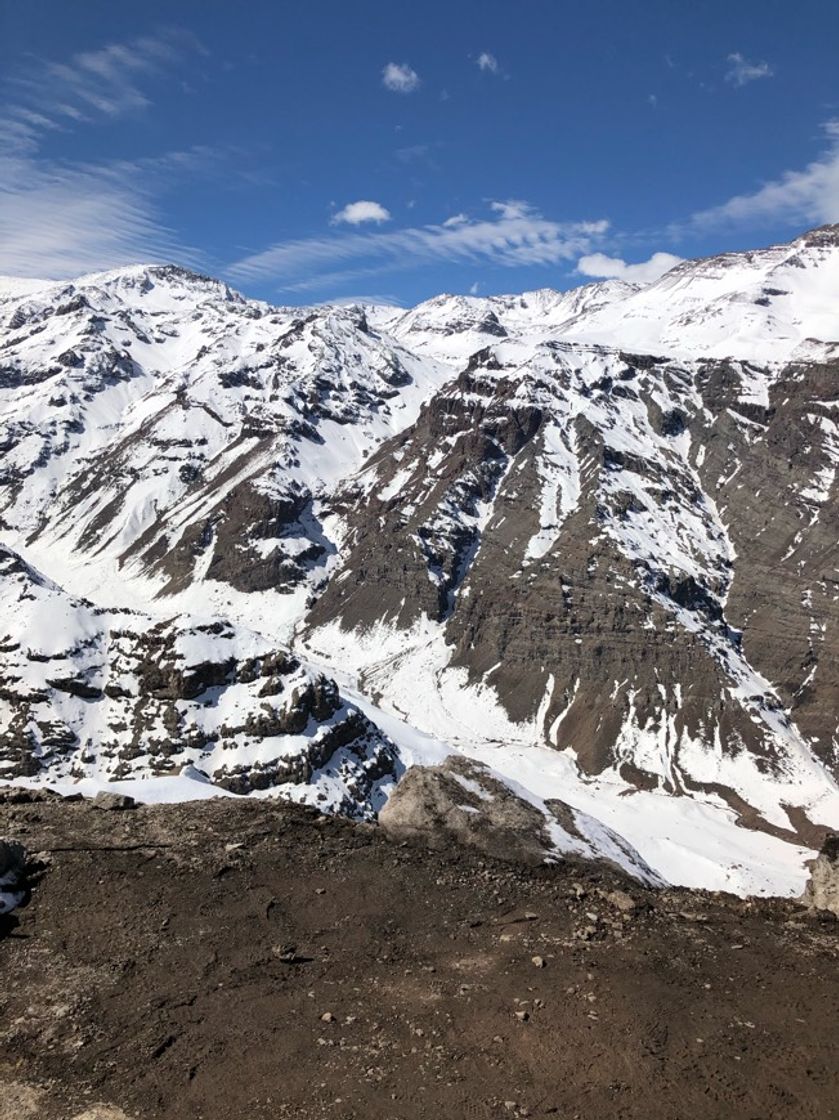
point(251, 959)
point(684, 603)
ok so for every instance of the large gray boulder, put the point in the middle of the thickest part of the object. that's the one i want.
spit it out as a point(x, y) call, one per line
point(461, 801)
point(822, 889)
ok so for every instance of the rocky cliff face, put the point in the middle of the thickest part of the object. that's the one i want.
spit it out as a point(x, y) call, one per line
point(592, 532)
point(584, 531)
point(112, 695)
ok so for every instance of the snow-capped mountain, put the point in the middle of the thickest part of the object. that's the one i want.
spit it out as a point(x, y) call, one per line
point(159, 419)
point(587, 537)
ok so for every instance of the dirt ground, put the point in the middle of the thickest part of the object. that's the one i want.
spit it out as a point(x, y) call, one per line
point(242, 960)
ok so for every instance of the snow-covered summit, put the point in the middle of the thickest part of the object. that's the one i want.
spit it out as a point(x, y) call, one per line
point(764, 305)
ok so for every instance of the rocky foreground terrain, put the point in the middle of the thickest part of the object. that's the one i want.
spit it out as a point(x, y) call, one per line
point(249, 959)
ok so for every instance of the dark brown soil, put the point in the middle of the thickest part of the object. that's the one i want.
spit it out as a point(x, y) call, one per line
point(244, 960)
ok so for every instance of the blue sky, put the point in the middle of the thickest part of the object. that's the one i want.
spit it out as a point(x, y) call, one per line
point(332, 150)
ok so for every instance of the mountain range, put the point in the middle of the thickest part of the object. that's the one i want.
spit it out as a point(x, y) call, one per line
point(588, 540)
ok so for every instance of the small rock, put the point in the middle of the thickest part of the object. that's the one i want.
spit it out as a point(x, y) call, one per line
point(113, 802)
point(586, 933)
point(287, 954)
point(622, 901)
point(327, 1017)
point(539, 962)
point(522, 1016)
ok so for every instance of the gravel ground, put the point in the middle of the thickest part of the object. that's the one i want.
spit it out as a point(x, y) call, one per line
point(243, 960)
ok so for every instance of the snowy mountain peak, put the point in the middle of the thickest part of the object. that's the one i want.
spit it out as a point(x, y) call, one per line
point(821, 237)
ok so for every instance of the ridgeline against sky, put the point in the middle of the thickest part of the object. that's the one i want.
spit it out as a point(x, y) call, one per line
point(329, 151)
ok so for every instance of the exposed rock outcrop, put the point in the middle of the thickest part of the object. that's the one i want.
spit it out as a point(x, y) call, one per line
point(822, 889)
point(461, 801)
point(86, 692)
point(13, 863)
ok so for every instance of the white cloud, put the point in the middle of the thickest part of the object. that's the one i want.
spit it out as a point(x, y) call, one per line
point(810, 195)
point(517, 236)
point(455, 220)
point(473, 291)
point(58, 221)
point(488, 62)
point(613, 268)
point(512, 208)
point(355, 213)
point(741, 71)
point(376, 299)
point(400, 78)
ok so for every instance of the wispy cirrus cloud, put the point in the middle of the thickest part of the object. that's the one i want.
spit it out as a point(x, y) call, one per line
point(91, 86)
point(516, 235)
point(61, 217)
point(809, 195)
point(740, 71)
point(57, 221)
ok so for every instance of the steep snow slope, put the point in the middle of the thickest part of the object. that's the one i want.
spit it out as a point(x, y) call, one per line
point(156, 419)
point(764, 306)
point(12, 287)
